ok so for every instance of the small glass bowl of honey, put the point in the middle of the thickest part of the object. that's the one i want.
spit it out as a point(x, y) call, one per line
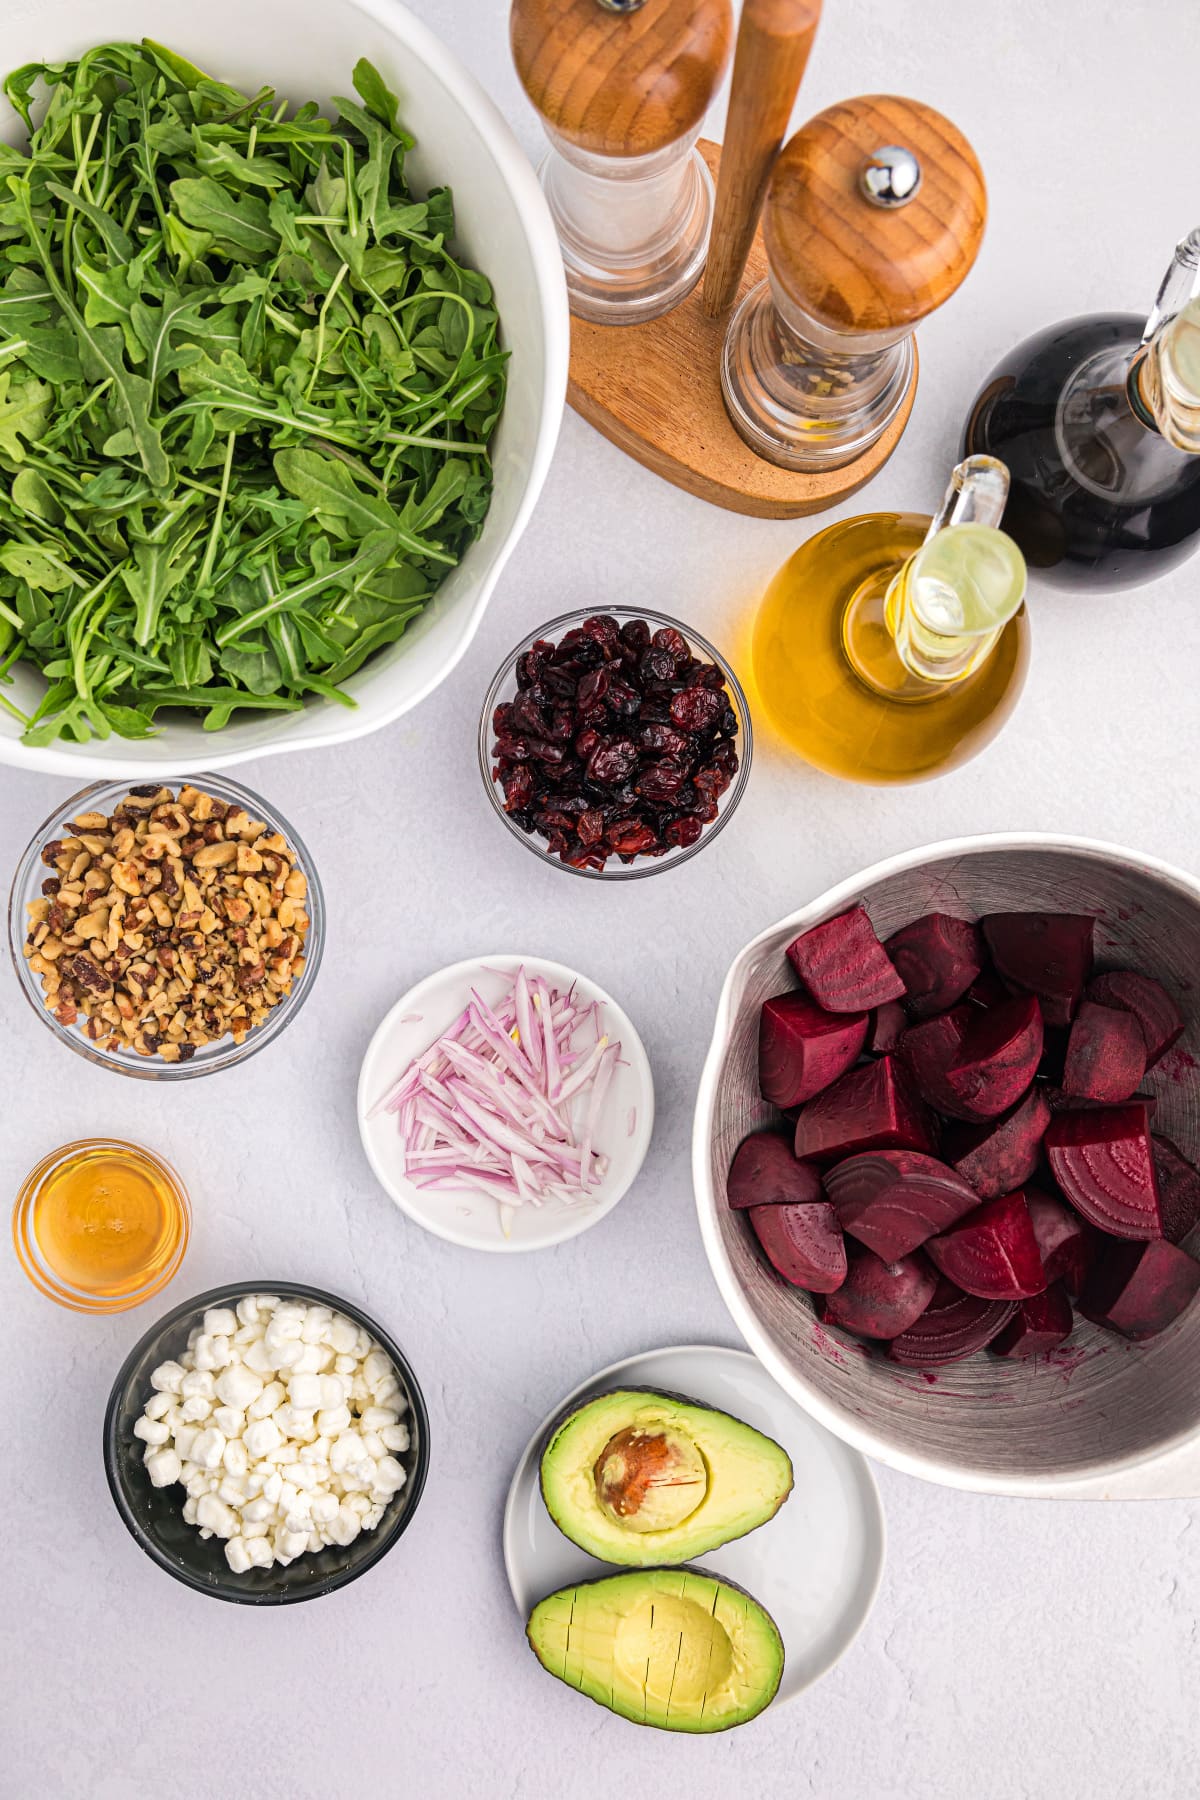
point(101, 1225)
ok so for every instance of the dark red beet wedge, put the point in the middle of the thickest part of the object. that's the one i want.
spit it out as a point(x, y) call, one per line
point(1178, 1190)
point(1148, 1001)
point(888, 1025)
point(927, 1050)
point(1065, 1244)
point(880, 1299)
point(870, 1108)
point(937, 957)
point(1140, 1289)
point(992, 1253)
point(1047, 954)
point(1001, 1155)
point(997, 1059)
point(843, 964)
point(986, 990)
point(1106, 1054)
point(1041, 1325)
point(892, 1200)
point(953, 1326)
point(1103, 1160)
point(765, 1173)
point(802, 1048)
point(804, 1244)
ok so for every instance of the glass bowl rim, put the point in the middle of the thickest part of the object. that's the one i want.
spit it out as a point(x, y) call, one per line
point(383, 1539)
point(46, 1280)
point(643, 865)
point(152, 1068)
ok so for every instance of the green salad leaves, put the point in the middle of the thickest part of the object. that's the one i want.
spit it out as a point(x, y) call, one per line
point(246, 393)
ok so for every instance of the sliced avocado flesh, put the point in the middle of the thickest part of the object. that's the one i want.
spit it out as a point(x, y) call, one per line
point(642, 1478)
point(671, 1648)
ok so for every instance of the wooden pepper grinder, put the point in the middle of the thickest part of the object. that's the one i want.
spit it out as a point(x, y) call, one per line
point(873, 217)
point(622, 87)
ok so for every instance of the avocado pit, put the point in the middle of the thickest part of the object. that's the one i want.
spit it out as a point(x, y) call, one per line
point(650, 1479)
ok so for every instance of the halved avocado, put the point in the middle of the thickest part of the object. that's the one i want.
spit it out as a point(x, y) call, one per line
point(674, 1648)
point(638, 1477)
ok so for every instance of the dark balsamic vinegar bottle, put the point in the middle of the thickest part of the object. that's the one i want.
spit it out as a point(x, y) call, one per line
point(1098, 421)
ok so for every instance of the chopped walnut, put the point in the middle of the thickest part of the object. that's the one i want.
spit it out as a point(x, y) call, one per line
point(173, 923)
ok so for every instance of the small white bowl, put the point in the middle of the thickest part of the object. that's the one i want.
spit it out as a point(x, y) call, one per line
point(816, 1566)
point(623, 1129)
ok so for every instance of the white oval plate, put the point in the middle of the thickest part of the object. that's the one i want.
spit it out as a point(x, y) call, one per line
point(816, 1566)
point(623, 1128)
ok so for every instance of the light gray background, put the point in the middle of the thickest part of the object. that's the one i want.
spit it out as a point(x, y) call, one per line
point(1018, 1648)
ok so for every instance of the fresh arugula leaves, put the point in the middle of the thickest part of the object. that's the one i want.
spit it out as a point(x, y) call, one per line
point(246, 392)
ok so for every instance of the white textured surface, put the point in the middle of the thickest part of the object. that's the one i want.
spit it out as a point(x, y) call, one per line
point(1037, 1650)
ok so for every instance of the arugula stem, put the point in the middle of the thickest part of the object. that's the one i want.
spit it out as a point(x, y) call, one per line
point(210, 552)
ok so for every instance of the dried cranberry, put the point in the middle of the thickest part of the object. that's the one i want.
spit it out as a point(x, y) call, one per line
point(711, 780)
point(562, 682)
point(603, 629)
point(526, 714)
point(591, 825)
point(656, 667)
point(612, 762)
point(697, 709)
point(623, 698)
point(586, 742)
point(502, 719)
point(531, 664)
point(662, 738)
point(684, 831)
point(635, 634)
point(705, 809)
point(592, 688)
point(667, 638)
point(660, 781)
point(629, 837)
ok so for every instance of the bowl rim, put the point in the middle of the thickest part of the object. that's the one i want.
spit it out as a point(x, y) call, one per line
point(642, 865)
point(573, 1225)
point(413, 1488)
point(533, 212)
point(840, 1419)
point(228, 1054)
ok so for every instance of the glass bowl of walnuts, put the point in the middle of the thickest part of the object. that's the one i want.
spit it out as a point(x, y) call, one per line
point(166, 929)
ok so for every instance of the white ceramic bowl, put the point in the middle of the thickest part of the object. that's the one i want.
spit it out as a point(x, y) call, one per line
point(306, 51)
point(1110, 1417)
point(623, 1128)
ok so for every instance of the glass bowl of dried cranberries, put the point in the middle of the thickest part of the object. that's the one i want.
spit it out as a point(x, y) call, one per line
point(615, 744)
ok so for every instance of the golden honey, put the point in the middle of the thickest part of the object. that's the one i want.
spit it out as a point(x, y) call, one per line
point(101, 1225)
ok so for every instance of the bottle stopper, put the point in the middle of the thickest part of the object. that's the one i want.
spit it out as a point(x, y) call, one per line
point(873, 218)
point(622, 87)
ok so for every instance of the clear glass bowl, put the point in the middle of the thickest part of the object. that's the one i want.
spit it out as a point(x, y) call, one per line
point(504, 687)
point(103, 796)
point(104, 1295)
point(154, 1516)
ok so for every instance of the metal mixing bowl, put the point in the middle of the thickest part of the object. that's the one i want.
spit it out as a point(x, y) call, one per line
point(988, 1424)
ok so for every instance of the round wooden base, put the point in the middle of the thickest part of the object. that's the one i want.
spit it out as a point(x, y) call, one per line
point(654, 390)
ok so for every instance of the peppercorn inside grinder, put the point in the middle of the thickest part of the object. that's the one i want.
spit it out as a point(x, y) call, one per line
point(874, 216)
point(622, 87)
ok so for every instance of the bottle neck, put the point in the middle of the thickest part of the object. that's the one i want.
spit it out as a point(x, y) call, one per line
point(918, 630)
point(1164, 378)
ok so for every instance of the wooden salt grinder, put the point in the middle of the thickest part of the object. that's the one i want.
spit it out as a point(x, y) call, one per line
point(622, 87)
point(873, 217)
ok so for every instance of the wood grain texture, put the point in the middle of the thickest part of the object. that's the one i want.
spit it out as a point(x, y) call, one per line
point(621, 84)
point(654, 390)
point(856, 266)
point(774, 40)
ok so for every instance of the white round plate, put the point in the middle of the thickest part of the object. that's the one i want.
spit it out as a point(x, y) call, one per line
point(623, 1128)
point(816, 1566)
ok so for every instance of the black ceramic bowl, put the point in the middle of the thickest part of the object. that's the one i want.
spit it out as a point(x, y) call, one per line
point(154, 1516)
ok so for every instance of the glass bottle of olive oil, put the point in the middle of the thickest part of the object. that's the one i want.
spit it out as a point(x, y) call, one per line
point(892, 647)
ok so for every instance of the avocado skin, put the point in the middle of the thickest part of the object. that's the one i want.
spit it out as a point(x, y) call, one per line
point(660, 1554)
point(723, 1582)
